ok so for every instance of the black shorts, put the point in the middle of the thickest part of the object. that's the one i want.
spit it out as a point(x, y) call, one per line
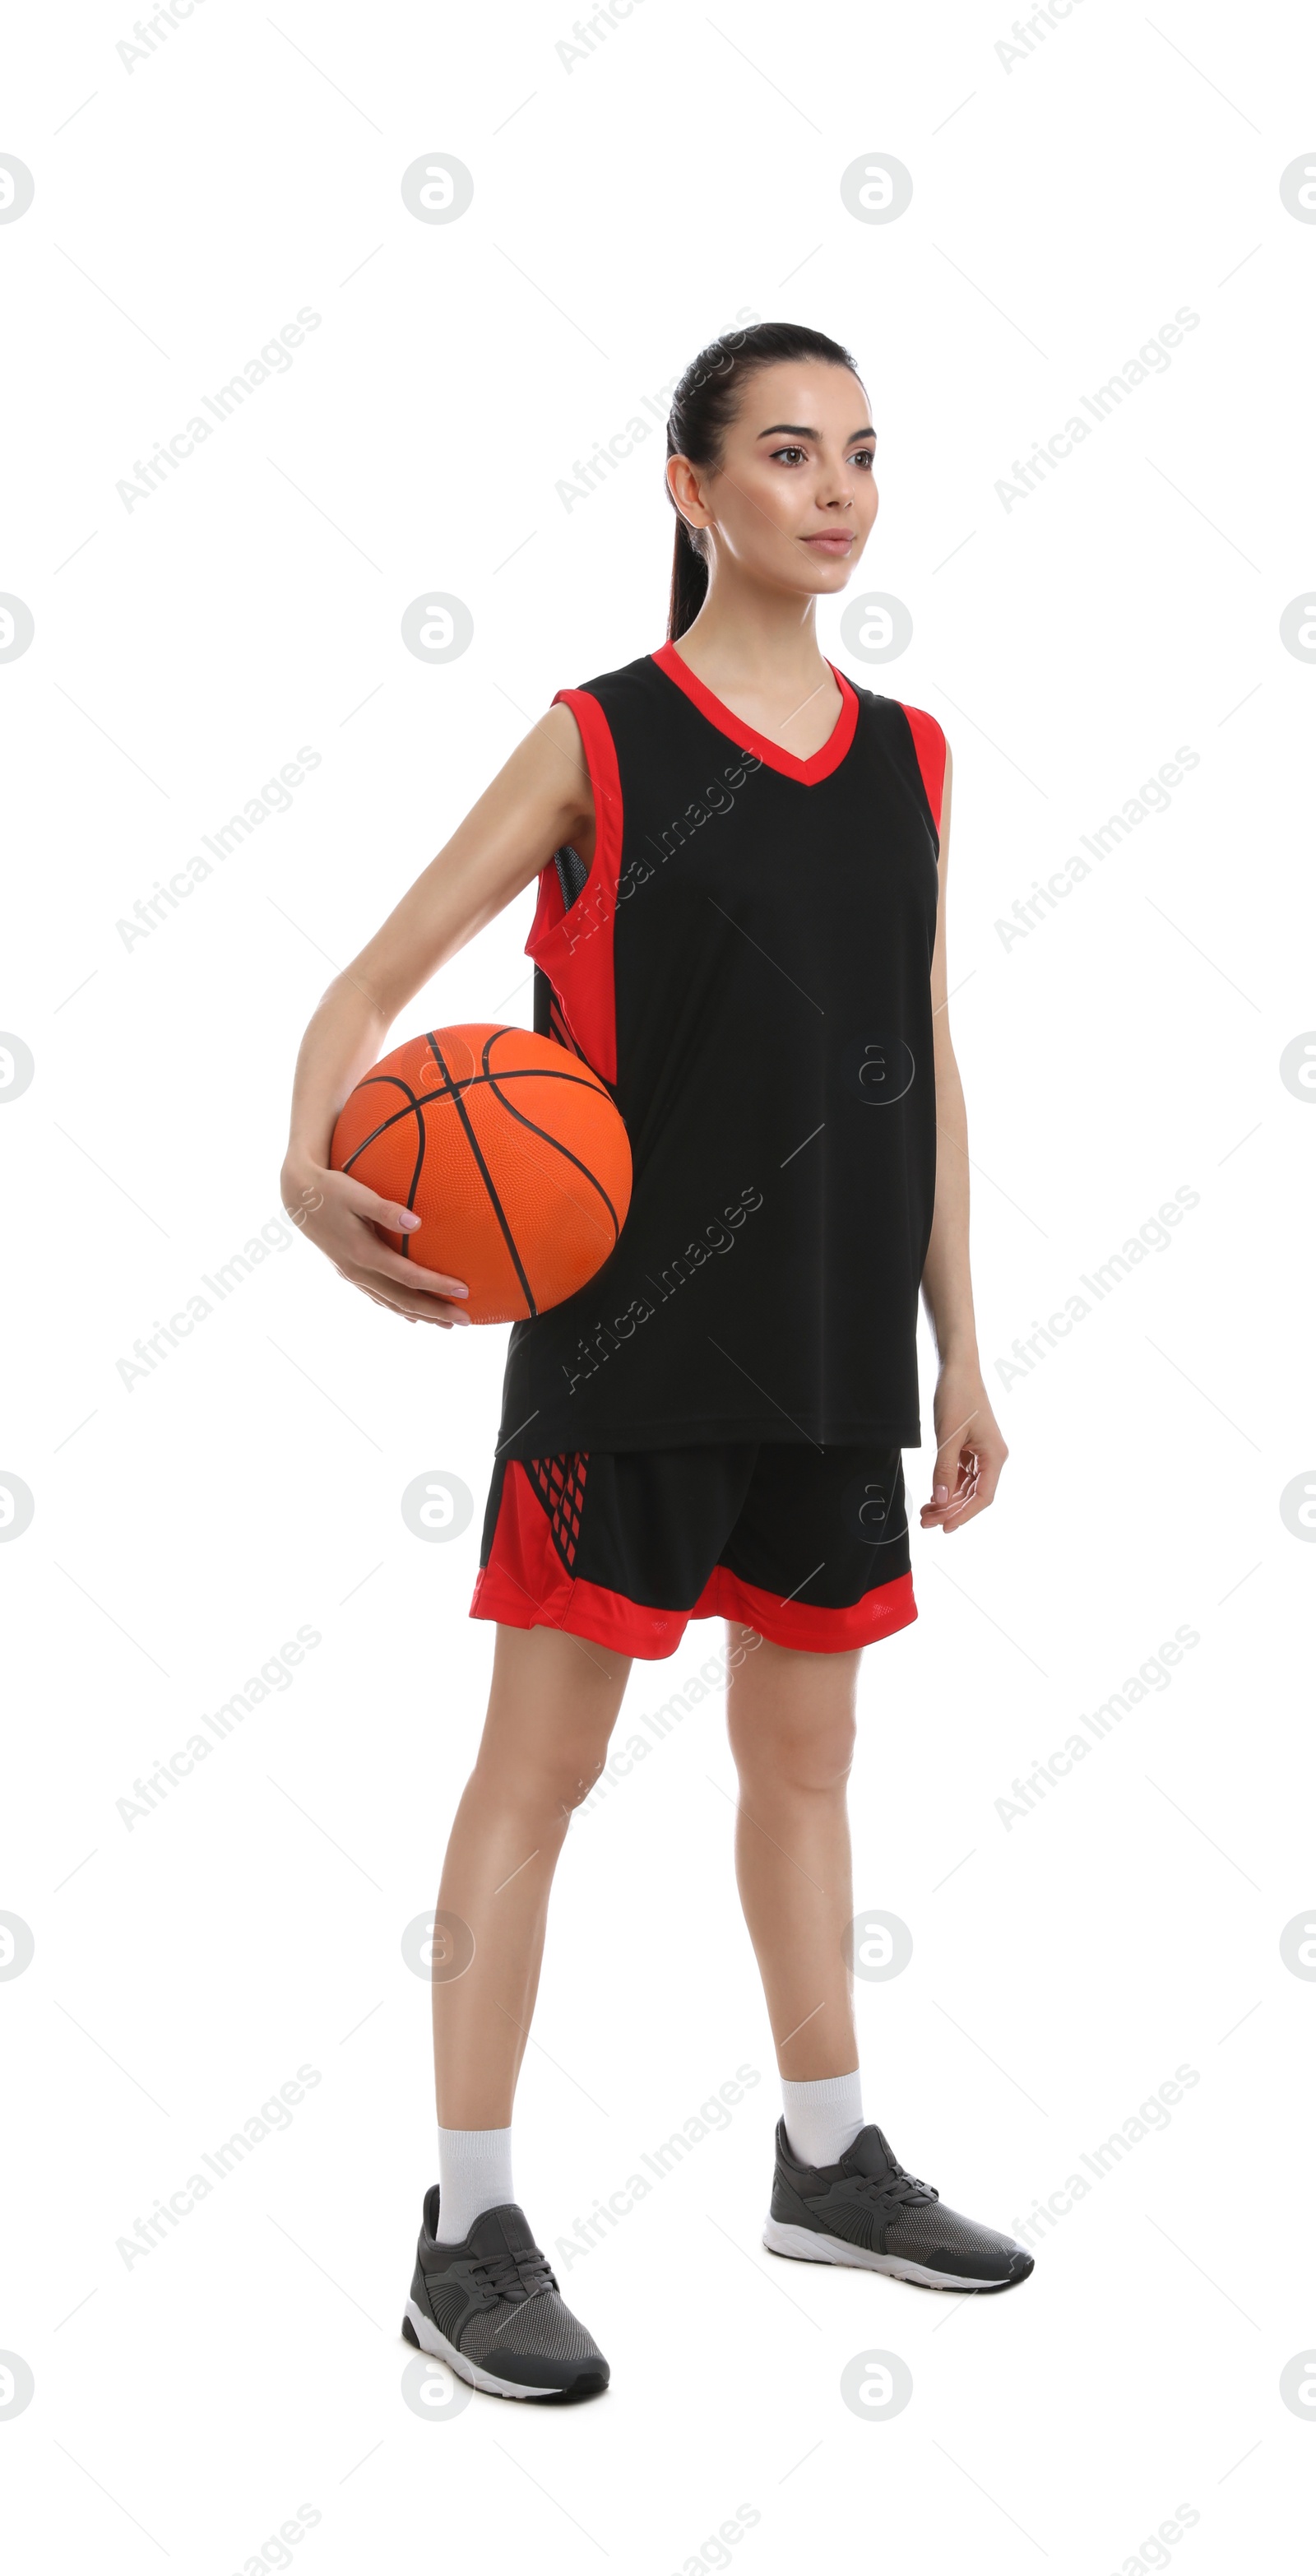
point(808, 1547)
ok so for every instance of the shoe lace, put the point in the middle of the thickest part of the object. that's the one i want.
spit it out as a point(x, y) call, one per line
point(515, 2276)
point(897, 2185)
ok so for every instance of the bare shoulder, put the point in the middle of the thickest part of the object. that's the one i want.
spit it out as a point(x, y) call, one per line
point(550, 765)
point(558, 753)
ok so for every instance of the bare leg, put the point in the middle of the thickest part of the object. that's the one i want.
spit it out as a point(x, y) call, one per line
point(553, 1702)
point(791, 1724)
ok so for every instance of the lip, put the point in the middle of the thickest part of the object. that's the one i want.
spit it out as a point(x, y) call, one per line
point(835, 542)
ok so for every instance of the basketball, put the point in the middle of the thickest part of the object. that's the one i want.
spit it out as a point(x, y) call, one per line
point(511, 1152)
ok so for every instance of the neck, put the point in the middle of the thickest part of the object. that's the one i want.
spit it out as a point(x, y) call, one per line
point(748, 634)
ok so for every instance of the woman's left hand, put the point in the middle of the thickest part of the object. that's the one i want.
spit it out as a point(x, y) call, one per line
point(970, 1450)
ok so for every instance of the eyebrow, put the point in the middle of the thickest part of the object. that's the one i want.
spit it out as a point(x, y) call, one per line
point(797, 429)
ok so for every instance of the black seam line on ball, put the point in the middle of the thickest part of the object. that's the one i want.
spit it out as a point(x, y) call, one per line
point(547, 1139)
point(390, 1081)
point(415, 1177)
point(452, 1090)
point(485, 1174)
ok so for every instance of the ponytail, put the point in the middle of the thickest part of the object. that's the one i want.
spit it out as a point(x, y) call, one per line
point(689, 580)
point(704, 404)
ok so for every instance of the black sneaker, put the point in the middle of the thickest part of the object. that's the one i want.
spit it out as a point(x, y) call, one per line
point(867, 2210)
point(491, 2309)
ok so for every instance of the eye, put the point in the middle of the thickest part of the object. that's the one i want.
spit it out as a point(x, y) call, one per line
point(863, 456)
point(796, 454)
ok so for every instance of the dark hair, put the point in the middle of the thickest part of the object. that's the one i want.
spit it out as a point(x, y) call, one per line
point(703, 406)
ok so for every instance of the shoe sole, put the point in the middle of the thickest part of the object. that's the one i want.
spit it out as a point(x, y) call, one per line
point(422, 2331)
point(807, 2245)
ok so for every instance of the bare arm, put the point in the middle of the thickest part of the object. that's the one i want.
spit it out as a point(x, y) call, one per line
point(970, 1449)
point(540, 799)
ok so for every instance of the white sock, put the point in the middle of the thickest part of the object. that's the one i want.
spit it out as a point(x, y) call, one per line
point(475, 2173)
point(823, 2119)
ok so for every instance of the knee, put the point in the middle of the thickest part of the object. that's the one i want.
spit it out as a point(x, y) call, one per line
point(544, 1782)
point(814, 1759)
point(568, 1783)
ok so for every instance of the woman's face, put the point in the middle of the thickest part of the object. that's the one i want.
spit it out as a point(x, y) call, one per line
point(793, 497)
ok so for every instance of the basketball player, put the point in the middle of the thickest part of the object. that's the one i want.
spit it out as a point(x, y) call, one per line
point(741, 926)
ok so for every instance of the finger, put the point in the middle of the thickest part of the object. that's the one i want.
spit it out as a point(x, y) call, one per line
point(373, 1210)
point(983, 1493)
point(947, 1467)
point(947, 1490)
point(363, 1201)
point(381, 1258)
point(954, 1484)
point(418, 1308)
point(425, 1310)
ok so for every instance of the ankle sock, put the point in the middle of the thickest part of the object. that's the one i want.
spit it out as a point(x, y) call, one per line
point(475, 2174)
point(823, 2119)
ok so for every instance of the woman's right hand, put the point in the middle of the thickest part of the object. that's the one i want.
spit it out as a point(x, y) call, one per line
point(340, 1215)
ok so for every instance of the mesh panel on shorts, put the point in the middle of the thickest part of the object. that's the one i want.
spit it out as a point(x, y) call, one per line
point(927, 2232)
point(561, 1483)
point(543, 2325)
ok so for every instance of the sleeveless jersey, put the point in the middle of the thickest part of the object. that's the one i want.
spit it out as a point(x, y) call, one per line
point(746, 965)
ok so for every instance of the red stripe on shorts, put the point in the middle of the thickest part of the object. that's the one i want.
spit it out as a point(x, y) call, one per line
point(526, 1585)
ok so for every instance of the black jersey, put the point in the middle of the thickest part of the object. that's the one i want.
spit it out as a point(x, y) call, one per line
point(746, 964)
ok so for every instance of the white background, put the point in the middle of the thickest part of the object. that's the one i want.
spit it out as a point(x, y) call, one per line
point(628, 205)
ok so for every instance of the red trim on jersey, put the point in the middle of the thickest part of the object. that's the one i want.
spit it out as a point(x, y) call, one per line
point(930, 744)
point(574, 947)
point(820, 764)
point(526, 1585)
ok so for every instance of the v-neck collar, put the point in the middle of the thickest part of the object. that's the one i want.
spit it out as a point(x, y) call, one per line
point(820, 764)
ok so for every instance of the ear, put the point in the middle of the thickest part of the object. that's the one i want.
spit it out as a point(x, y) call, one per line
point(683, 484)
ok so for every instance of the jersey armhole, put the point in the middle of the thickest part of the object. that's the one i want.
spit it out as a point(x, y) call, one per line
point(605, 786)
point(930, 748)
point(571, 942)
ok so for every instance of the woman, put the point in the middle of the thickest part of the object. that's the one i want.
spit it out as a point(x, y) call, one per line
point(741, 927)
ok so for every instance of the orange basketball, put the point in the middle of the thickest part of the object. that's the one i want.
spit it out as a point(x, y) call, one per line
point(512, 1153)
